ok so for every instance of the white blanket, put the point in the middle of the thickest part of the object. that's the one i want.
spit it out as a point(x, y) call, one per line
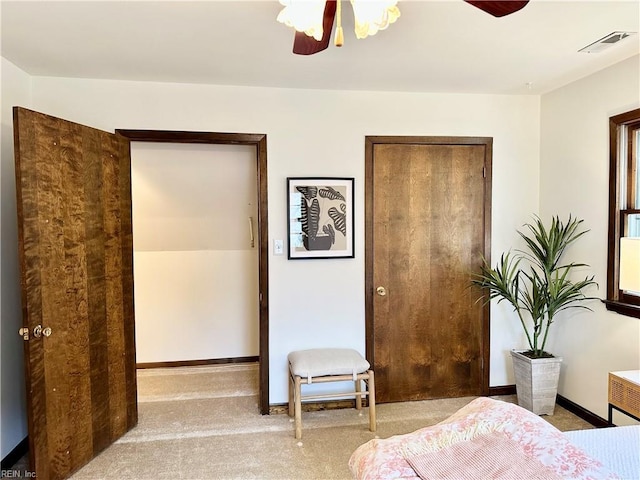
point(618, 448)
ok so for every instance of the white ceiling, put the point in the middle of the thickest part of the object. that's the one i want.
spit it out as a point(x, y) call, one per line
point(435, 46)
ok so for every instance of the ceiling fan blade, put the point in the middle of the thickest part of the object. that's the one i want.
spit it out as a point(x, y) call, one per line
point(306, 45)
point(498, 8)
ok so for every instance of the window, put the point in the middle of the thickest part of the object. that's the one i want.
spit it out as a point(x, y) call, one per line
point(623, 272)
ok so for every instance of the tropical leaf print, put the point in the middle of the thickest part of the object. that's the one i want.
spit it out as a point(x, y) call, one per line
point(308, 192)
point(339, 220)
point(343, 207)
point(304, 217)
point(328, 229)
point(313, 216)
point(331, 194)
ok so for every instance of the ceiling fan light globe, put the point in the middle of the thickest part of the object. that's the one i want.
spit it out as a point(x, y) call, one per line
point(305, 16)
point(372, 16)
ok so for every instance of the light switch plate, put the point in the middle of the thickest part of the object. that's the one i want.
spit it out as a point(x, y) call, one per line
point(278, 247)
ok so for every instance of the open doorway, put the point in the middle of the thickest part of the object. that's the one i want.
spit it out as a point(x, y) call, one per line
point(195, 258)
point(196, 246)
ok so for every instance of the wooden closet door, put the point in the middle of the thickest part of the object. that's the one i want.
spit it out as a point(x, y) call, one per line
point(427, 217)
point(75, 247)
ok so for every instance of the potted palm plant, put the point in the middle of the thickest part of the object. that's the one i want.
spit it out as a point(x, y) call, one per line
point(538, 286)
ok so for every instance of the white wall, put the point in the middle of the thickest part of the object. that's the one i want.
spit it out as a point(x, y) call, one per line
point(574, 178)
point(315, 132)
point(195, 270)
point(16, 90)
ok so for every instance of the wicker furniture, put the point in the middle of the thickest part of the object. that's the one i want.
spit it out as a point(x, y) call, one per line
point(624, 393)
point(323, 365)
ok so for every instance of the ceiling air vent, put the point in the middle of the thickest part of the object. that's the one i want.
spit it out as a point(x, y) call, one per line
point(606, 42)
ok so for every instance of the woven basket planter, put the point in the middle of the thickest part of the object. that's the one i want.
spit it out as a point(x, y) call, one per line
point(536, 382)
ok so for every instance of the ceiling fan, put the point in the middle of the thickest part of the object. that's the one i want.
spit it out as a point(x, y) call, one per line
point(311, 39)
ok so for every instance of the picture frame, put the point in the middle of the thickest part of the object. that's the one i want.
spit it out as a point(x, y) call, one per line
point(320, 220)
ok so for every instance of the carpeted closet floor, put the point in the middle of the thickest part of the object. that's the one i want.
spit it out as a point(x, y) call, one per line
point(203, 423)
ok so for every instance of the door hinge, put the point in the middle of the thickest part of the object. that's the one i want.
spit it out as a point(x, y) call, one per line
point(484, 172)
point(24, 332)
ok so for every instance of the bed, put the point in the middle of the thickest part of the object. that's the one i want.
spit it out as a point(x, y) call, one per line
point(617, 448)
point(494, 439)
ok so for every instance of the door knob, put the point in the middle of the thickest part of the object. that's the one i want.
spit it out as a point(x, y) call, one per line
point(381, 291)
point(38, 331)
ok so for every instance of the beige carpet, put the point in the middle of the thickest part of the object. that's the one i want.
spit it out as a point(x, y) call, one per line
point(203, 423)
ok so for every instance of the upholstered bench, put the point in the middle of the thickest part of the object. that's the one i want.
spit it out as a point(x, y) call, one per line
point(322, 365)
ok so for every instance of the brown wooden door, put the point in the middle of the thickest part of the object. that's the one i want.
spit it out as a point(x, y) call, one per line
point(427, 225)
point(76, 255)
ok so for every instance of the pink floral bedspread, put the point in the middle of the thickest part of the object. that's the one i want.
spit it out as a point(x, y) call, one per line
point(385, 458)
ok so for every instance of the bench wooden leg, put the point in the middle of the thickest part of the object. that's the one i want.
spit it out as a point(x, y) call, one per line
point(371, 384)
point(291, 396)
point(298, 407)
point(358, 397)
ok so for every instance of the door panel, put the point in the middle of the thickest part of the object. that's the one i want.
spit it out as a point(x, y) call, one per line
point(75, 247)
point(426, 220)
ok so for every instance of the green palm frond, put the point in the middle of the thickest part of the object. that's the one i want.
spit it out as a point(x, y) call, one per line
point(547, 246)
point(544, 289)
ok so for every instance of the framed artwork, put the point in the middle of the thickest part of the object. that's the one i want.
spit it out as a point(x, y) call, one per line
point(320, 217)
